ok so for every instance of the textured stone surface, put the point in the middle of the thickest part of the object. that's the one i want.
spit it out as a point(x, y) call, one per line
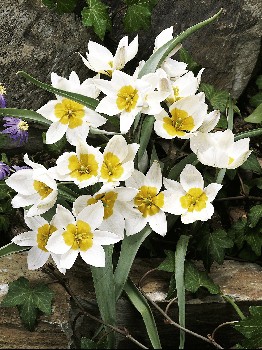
point(228, 48)
point(38, 41)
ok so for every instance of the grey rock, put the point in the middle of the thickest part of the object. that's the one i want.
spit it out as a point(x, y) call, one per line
point(229, 48)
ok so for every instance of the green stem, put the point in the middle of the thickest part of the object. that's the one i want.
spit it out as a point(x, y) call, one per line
point(252, 133)
point(237, 309)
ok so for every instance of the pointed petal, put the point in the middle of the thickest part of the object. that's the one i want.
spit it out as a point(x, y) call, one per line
point(158, 223)
point(94, 256)
point(36, 258)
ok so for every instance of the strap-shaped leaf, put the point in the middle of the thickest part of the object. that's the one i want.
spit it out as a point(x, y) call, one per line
point(140, 303)
point(11, 248)
point(161, 54)
point(84, 100)
point(145, 134)
point(25, 114)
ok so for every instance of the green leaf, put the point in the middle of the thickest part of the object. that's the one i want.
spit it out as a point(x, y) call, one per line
point(217, 98)
point(11, 248)
point(184, 56)
point(84, 100)
point(96, 16)
point(259, 82)
point(255, 116)
point(252, 133)
point(176, 170)
point(141, 304)
point(251, 328)
point(213, 246)
point(169, 263)
point(61, 6)
point(25, 114)
point(256, 100)
point(156, 59)
point(129, 248)
point(254, 240)
point(180, 254)
point(252, 164)
point(88, 344)
point(148, 3)
point(254, 215)
point(145, 135)
point(137, 17)
point(194, 279)
point(28, 299)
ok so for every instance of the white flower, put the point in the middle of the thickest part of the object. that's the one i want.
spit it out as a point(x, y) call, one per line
point(101, 60)
point(184, 86)
point(118, 160)
point(148, 204)
point(37, 238)
point(113, 199)
point(72, 84)
point(82, 167)
point(189, 198)
point(78, 235)
point(70, 118)
point(219, 150)
point(35, 187)
point(187, 116)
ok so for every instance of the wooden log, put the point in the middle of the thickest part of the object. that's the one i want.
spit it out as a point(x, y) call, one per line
point(204, 312)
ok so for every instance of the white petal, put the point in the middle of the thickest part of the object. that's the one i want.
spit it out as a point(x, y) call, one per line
point(154, 176)
point(36, 258)
point(63, 217)
point(190, 177)
point(94, 256)
point(211, 191)
point(115, 223)
point(21, 181)
point(104, 237)
point(35, 222)
point(135, 222)
point(67, 260)
point(158, 223)
point(55, 132)
point(108, 105)
point(136, 180)
point(92, 214)
point(80, 203)
point(125, 194)
point(23, 201)
point(118, 146)
point(25, 239)
point(74, 135)
point(56, 243)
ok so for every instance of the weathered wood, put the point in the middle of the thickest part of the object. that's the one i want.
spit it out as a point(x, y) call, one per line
point(204, 312)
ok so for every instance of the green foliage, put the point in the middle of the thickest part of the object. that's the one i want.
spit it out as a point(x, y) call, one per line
point(138, 14)
point(217, 98)
point(29, 300)
point(96, 16)
point(251, 329)
point(256, 115)
point(212, 246)
point(61, 6)
point(256, 100)
point(184, 56)
point(252, 164)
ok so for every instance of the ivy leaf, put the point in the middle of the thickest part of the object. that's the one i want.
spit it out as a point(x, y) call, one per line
point(137, 17)
point(254, 215)
point(217, 98)
point(254, 240)
point(252, 164)
point(251, 328)
point(28, 300)
point(169, 263)
point(61, 6)
point(213, 246)
point(184, 56)
point(194, 279)
point(259, 82)
point(96, 16)
point(255, 116)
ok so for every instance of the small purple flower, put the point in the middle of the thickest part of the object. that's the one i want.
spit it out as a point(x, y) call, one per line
point(4, 170)
point(16, 128)
point(2, 98)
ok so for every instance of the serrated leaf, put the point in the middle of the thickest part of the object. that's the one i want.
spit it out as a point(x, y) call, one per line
point(252, 164)
point(194, 279)
point(28, 299)
point(217, 98)
point(254, 240)
point(169, 263)
point(255, 116)
point(259, 82)
point(137, 17)
point(61, 6)
point(254, 215)
point(213, 246)
point(251, 328)
point(256, 100)
point(96, 15)
point(11, 248)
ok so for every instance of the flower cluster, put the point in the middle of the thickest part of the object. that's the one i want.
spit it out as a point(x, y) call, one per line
point(125, 199)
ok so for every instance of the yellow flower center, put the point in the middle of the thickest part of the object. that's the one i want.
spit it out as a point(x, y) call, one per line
point(147, 200)
point(175, 96)
point(195, 199)
point(127, 98)
point(22, 125)
point(83, 168)
point(2, 89)
point(42, 189)
point(43, 234)
point(70, 112)
point(179, 123)
point(230, 160)
point(111, 168)
point(79, 236)
point(108, 200)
